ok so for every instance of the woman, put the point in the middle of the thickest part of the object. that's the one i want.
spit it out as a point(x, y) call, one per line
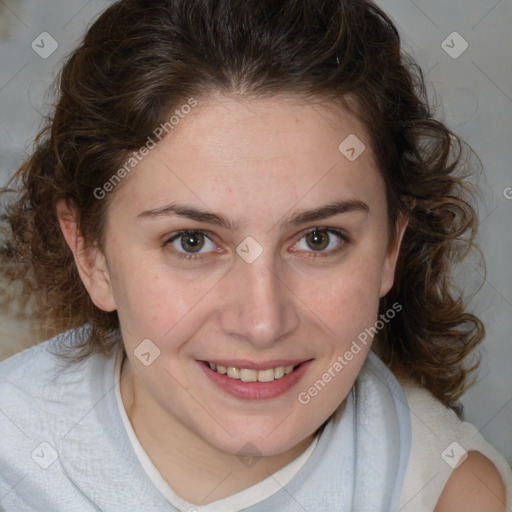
point(233, 203)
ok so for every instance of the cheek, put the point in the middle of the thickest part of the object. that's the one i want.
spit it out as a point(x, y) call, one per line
point(346, 296)
point(152, 300)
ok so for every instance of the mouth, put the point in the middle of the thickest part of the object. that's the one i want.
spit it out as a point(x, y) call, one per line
point(251, 381)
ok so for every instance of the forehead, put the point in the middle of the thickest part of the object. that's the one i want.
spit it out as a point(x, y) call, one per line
point(280, 150)
point(257, 129)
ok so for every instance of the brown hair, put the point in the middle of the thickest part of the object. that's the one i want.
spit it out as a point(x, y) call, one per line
point(140, 60)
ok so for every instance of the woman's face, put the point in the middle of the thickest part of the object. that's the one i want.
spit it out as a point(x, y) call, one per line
point(284, 263)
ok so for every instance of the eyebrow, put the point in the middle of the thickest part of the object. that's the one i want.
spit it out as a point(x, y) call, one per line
point(323, 212)
point(326, 211)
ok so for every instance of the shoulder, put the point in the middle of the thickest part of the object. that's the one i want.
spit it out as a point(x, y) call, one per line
point(40, 391)
point(37, 369)
point(25, 399)
point(12, 366)
point(444, 451)
point(474, 486)
point(52, 418)
point(23, 374)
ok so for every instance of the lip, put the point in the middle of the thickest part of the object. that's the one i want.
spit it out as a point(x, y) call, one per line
point(256, 390)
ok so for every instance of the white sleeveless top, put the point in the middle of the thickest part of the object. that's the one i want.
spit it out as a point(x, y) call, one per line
point(439, 439)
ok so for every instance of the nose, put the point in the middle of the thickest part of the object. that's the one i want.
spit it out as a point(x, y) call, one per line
point(260, 308)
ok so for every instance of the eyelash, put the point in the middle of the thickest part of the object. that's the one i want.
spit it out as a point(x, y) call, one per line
point(320, 254)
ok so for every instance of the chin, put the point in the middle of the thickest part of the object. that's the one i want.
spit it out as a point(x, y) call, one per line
point(243, 443)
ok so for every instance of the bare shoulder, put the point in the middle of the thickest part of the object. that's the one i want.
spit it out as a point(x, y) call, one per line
point(474, 486)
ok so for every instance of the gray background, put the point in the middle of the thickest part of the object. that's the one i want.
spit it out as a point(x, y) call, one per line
point(473, 94)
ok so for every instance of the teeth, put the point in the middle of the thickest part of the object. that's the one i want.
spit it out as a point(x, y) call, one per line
point(233, 372)
point(266, 375)
point(279, 372)
point(249, 375)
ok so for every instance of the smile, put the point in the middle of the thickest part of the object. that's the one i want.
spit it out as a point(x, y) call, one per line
point(254, 381)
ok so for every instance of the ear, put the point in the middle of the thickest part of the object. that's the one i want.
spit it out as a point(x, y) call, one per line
point(388, 271)
point(90, 260)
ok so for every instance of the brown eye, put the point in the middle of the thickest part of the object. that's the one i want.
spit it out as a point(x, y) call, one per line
point(317, 240)
point(192, 242)
point(324, 241)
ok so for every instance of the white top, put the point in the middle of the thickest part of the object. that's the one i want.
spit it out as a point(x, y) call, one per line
point(440, 440)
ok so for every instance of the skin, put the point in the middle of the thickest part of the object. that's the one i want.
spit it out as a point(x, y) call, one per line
point(474, 486)
point(256, 162)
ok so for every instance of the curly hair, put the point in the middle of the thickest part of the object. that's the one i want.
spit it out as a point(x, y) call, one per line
point(139, 60)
